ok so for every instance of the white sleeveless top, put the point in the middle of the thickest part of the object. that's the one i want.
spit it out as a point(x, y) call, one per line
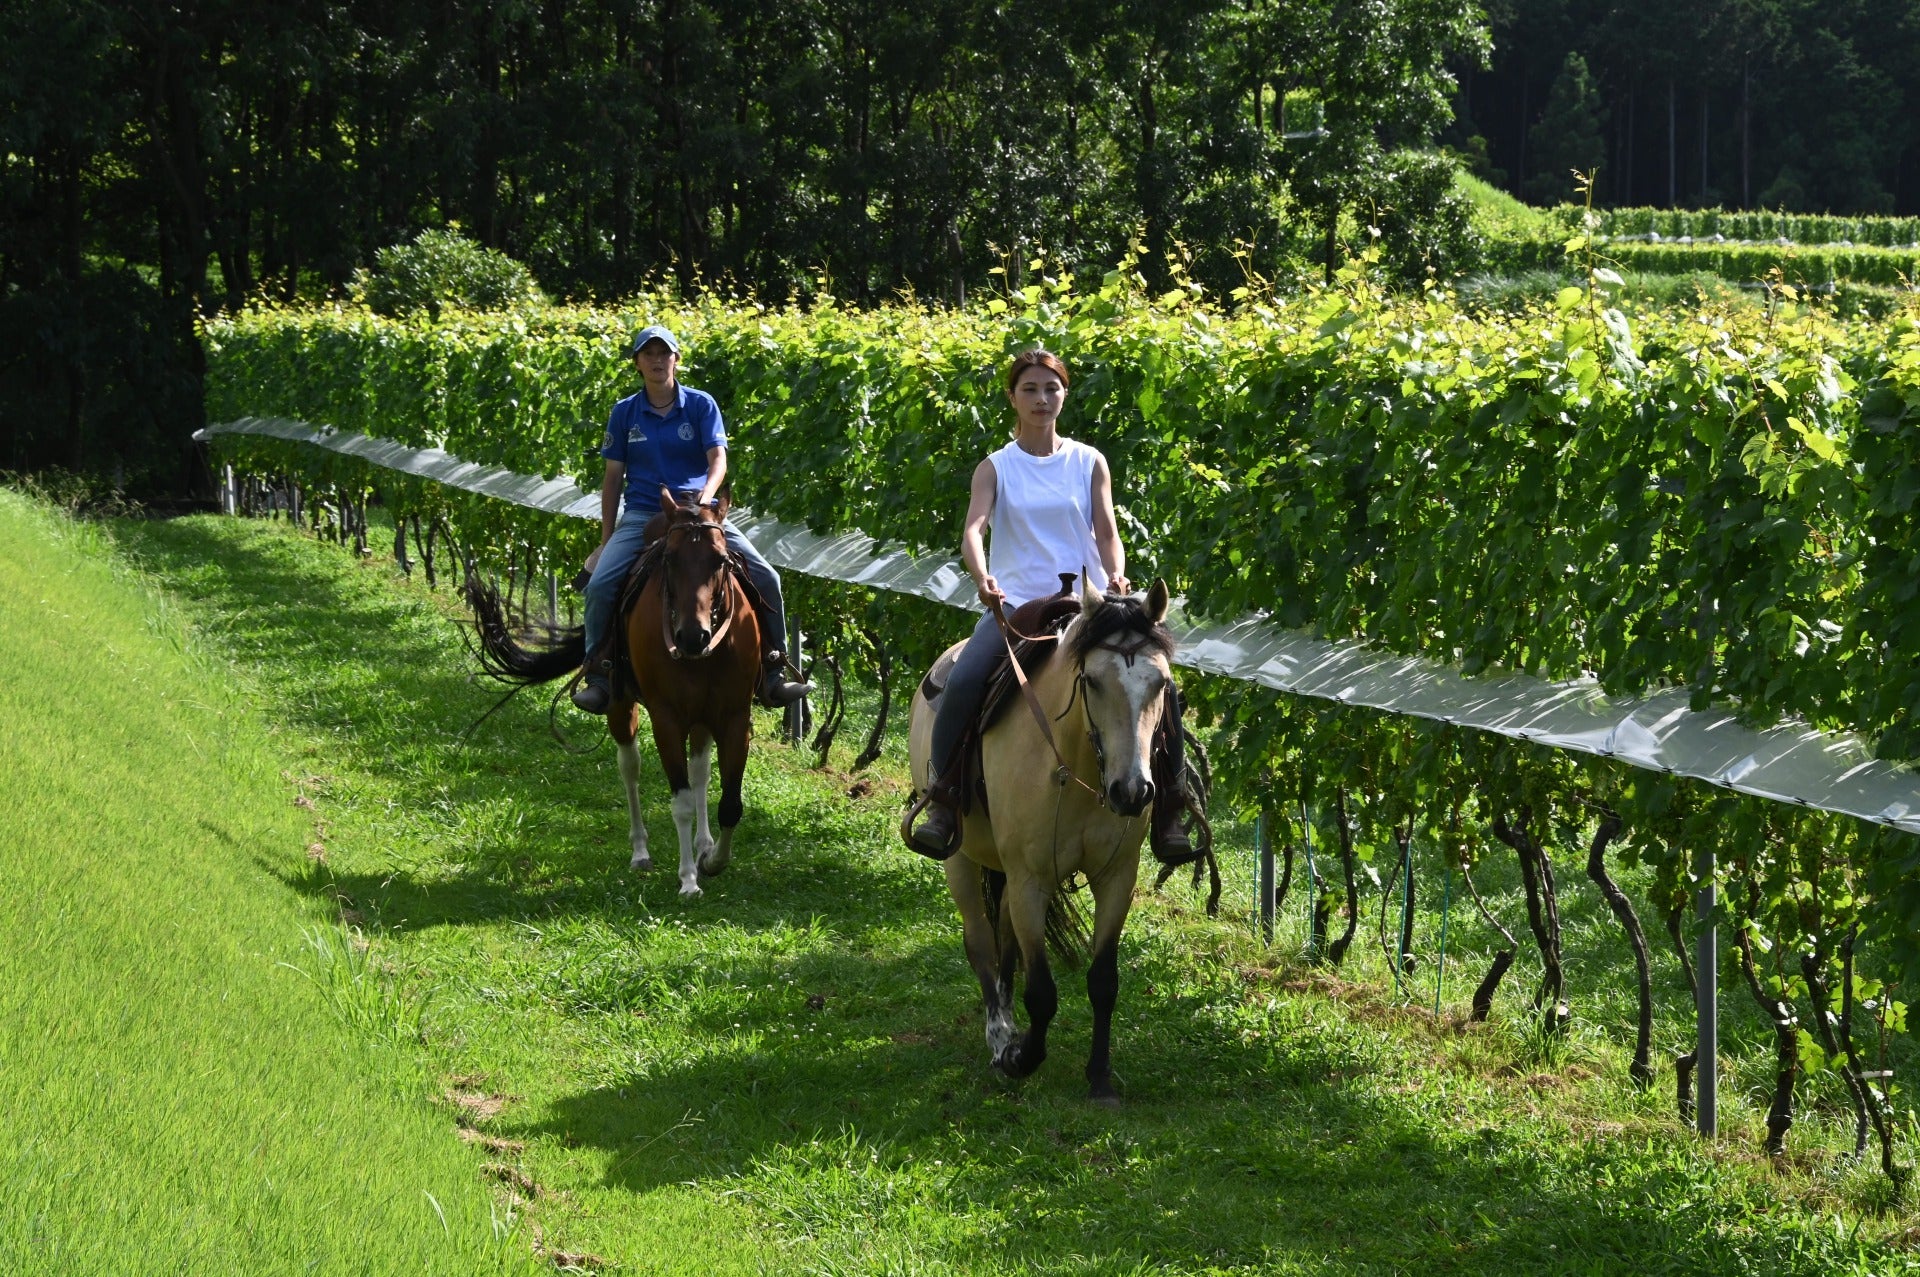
point(1042, 520)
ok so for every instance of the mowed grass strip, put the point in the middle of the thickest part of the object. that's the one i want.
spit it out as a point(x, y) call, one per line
point(179, 1091)
point(789, 1076)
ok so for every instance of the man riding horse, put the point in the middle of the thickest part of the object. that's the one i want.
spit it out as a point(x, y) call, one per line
point(668, 436)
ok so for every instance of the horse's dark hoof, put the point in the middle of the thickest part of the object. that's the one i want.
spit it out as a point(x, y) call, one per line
point(1106, 1099)
point(1016, 1063)
point(714, 861)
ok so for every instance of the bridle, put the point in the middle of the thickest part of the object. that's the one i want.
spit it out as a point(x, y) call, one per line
point(1063, 772)
point(722, 596)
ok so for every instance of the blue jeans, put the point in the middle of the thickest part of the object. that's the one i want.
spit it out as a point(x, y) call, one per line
point(966, 688)
point(625, 545)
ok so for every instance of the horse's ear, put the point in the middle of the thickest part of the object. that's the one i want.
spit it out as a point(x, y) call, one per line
point(666, 498)
point(1157, 600)
point(1090, 598)
point(723, 502)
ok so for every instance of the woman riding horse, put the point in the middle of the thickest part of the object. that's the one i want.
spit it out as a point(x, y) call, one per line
point(670, 437)
point(1063, 787)
point(1049, 503)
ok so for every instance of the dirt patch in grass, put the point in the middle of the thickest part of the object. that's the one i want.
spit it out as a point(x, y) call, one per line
point(515, 1178)
point(493, 1143)
point(476, 1106)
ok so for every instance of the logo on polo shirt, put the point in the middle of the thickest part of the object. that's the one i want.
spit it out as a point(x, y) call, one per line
point(686, 431)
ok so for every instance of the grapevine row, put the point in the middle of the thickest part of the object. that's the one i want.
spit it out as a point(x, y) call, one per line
point(1300, 455)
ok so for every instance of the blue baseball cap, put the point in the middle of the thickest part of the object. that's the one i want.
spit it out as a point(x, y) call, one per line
point(653, 332)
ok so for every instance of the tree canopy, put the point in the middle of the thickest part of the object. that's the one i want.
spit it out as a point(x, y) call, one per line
point(1807, 105)
point(163, 163)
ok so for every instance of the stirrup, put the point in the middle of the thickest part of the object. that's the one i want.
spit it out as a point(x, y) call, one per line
point(938, 843)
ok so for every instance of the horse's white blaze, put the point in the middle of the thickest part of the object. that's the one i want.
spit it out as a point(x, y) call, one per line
point(637, 827)
point(1125, 713)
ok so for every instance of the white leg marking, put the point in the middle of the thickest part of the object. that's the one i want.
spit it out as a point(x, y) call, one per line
point(636, 825)
point(683, 805)
point(1001, 1033)
point(712, 856)
point(699, 773)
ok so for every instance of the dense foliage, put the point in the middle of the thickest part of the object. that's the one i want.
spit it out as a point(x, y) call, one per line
point(1712, 500)
point(1675, 501)
point(1761, 226)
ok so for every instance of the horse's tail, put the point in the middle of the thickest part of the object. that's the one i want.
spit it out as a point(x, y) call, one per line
point(524, 655)
point(1069, 939)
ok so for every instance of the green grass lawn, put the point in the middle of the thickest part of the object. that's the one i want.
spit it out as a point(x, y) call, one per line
point(174, 1094)
point(789, 1074)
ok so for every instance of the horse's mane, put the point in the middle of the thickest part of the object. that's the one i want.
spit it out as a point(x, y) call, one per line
point(1120, 618)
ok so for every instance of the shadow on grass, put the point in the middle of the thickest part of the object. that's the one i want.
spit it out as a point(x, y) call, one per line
point(545, 832)
point(1307, 1158)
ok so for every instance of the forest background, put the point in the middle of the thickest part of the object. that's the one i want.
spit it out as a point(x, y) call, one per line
point(164, 162)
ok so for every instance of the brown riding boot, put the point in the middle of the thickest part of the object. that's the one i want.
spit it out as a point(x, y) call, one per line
point(1169, 840)
point(595, 692)
point(776, 692)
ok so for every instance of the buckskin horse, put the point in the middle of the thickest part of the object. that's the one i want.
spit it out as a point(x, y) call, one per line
point(693, 643)
point(1050, 808)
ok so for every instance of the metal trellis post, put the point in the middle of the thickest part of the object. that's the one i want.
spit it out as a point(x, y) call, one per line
point(796, 712)
point(1707, 963)
point(1263, 836)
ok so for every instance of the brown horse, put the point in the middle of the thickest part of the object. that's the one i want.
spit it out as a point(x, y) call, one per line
point(694, 646)
point(1063, 800)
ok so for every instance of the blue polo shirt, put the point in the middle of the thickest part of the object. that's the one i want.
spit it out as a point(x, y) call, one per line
point(663, 451)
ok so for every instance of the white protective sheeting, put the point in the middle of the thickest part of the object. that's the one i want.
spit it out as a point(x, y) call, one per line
point(1791, 762)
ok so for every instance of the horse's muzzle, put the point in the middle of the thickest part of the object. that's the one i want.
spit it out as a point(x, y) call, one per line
point(1131, 796)
point(691, 642)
